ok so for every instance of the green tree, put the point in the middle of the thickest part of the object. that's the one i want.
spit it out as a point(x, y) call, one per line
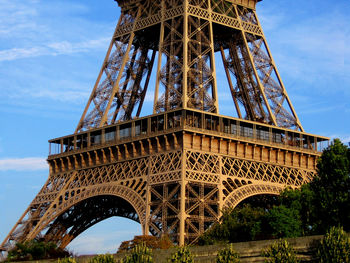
point(35, 250)
point(182, 255)
point(106, 258)
point(335, 247)
point(152, 242)
point(280, 252)
point(240, 224)
point(300, 200)
point(284, 222)
point(139, 254)
point(66, 260)
point(331, 188)
point(325, 201)
point(227, 255)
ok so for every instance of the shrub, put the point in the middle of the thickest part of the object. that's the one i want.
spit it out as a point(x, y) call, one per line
point(284, 222)
point(227, 255)
point(35, 250)
point(139, 254)
point(66, 260)
point(107, 258)
point(237, 225)
point(335, 247)
point(153, 242)
point(182, 255)
point(280, 252)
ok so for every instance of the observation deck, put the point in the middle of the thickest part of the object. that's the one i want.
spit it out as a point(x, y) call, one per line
point(183, 128)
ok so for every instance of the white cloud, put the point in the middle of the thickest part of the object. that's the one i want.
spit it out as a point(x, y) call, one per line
point(17, 17)
point(18, 53)
point(310, 48)
point(23, 164)
point(317, 110)
point(344, 138)
point(53, 49)
point(73, 96)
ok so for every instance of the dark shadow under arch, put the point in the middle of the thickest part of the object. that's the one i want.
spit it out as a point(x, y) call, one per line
point(244, 192)
point(88, 212)
point(266, 201)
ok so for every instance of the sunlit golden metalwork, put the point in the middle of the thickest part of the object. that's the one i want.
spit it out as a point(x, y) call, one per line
point(175, 170)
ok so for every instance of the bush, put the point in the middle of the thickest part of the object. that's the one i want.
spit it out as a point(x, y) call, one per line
point(107, 258)
point(284, 222)
point(227, 255)
point(139, 254)
point(237, 225)
point(280, 252)
point(35, 250)
point(66, 260)
point(182, 255)
point(152, 242)
point(335, 247)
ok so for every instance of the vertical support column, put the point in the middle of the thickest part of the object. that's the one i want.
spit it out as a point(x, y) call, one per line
point(279, 78)
point(160, 47)
point(212, 62)
point(220, 188)
point(80, 125)
point(185, 56)
point(75, 142)
point(182, 215)
point(228, 76)
point(61, 143)
point(251, 60)
point(89, 139)
point(115, 89)
point(103, 137)
point(145, 228)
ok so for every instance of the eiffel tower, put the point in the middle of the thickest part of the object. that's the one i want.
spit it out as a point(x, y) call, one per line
point(174, 171)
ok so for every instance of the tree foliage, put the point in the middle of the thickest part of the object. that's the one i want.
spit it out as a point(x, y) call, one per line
point(66, 260)
point(335, 247)
point(152, 242)
point(300, 202)
point(227, 255)
point(254, 223)
point(139, 254)
point(241, 224)
point(331, 189)
point(35, 250)
point(280, 252)
point(182, 255)
point(284, 222)
point(106, 258)
point(325, 201)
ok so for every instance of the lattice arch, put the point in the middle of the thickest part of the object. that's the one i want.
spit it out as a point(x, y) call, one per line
point(250, 190)
point(133, 198)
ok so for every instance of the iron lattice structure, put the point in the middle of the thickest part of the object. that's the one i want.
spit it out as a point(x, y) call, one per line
point(175, 170)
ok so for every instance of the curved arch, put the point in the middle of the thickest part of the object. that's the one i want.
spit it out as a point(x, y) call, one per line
point(238, 195)
point(78, 218)
point(63, 204)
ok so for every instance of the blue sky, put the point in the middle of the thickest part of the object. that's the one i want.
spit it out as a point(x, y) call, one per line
point(50, 55)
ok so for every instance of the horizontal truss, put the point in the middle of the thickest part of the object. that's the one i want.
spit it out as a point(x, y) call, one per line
point(180, 191)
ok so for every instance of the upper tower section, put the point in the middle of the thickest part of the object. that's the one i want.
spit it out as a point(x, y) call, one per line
point(172, 45)
point(246, 3)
